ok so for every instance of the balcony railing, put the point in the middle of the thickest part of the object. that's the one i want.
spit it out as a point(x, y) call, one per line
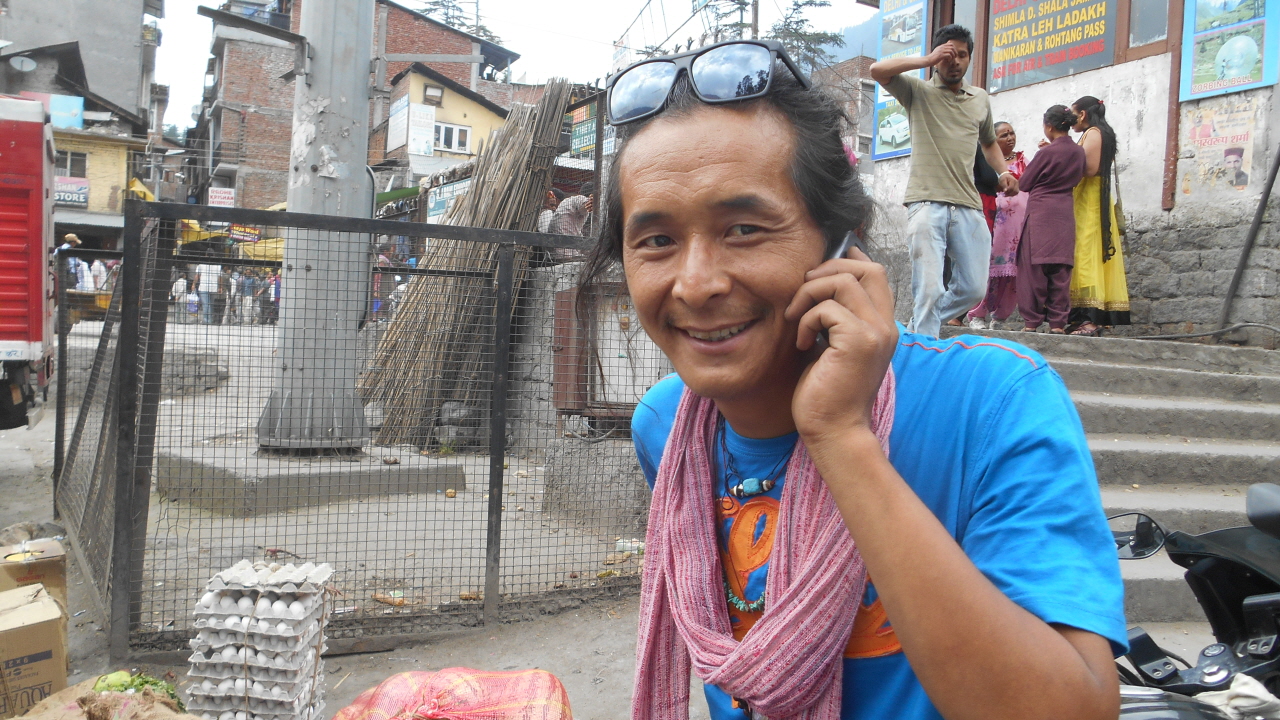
point(258, 13)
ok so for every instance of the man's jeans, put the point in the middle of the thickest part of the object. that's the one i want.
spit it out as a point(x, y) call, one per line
point(938, 230)
point(206, 307)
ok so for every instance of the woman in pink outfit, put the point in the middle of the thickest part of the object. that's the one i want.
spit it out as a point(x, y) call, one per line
point(1002, 295)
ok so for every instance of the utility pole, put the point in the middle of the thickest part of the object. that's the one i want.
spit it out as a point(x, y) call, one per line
point(314, 404)
point(755, 19)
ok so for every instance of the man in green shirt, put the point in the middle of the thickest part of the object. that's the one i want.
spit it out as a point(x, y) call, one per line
point(944, 212)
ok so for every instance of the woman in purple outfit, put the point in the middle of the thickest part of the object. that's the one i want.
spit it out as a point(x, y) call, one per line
point(1047, 249)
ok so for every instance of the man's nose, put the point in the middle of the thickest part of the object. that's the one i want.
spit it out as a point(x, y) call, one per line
point(701, 275)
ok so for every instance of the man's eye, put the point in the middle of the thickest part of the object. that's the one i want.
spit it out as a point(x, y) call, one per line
point(740, 230)
point(658, 241)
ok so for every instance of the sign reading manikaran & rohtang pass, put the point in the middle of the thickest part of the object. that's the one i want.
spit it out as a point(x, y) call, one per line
point(1036, 40)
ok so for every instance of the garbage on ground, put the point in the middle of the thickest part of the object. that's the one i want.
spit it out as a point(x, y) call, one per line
point(23, 531)
point(463, 694)
point(33, 637)
point(260, 637)
point(632, 546)
point(35, 561)
point(123, 681)
point(82, 702)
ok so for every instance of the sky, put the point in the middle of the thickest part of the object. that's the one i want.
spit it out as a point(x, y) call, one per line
point(567, 38)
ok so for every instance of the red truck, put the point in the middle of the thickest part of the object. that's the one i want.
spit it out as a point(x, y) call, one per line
point(26, 270)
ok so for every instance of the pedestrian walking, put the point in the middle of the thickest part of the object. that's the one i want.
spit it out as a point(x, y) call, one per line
point(249, 298)
point(1047, 249)
point(1002, 292)
point(178, 299)
point(232, 314)
point(552, 201)
point(1099, 288)
point(206, 286)
point(944, 212)
point(831, 531)
point(98, 271)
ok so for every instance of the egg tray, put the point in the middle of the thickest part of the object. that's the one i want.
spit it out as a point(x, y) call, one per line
point(293, 662)
point(288, 695)
point(293, 626)
point(218, 671)
point(206, 703)
point(311, 713)
point(306, 578)
point(310, 603)
point(258, 641)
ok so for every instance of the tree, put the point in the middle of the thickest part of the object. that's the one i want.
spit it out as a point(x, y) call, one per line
point(484, 33)
point(729, 19)
point(449, 12)
point(175, 133)
point(805, 45)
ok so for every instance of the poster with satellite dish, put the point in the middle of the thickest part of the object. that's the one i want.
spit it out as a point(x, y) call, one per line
point(1229, 46)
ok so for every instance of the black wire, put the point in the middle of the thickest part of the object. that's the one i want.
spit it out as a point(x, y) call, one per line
point(1175, 657)
point(1207, 333)
point(1128, 676)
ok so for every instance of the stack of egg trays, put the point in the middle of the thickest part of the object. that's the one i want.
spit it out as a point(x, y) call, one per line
point(257, 652)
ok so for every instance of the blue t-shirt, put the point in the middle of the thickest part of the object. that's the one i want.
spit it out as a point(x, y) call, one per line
point(986, 434)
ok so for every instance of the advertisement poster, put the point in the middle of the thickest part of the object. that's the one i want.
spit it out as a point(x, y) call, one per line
point(1031, 41)
point(244, 233)
point(1222, 137)
point(398, 123)
point(71, 192)
point(1228, 46)
point(902, 34)
point(422, 123)
point(441, 198)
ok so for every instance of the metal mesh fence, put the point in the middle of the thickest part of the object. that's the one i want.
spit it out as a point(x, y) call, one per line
point(432, 426)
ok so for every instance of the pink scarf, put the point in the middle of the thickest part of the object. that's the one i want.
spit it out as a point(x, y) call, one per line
point(789, 665)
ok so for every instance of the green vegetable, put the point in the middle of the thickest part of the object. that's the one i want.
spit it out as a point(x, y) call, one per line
point(123, 681)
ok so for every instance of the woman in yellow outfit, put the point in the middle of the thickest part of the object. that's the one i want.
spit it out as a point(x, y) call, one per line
point(1099, 289)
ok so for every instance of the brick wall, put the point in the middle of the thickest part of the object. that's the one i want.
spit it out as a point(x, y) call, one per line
point(496, 92)
point(257, 120)
point(410, 33)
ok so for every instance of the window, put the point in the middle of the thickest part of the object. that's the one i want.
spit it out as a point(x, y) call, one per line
point(71, 164)
point(1148, 22)
point(432, 95)
point(453, 138)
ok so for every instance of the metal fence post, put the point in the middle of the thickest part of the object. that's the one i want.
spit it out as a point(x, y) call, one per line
point(122, 546)
point(60, 425)
point(503, 298)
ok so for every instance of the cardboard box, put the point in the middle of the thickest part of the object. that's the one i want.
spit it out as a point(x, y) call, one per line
point(33, 649)
point(32, 562)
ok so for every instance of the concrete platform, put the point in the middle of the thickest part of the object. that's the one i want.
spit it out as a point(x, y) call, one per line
point(242, 481)
point(1093, 376)
point(1108, 413)
point(1154, 591)
point(1182, 461)
point(1191, 510)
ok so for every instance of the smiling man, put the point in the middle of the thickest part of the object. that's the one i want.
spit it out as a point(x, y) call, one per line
point(948, 119)
point(870, 525)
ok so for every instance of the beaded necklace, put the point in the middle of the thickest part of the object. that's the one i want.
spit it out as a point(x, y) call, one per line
point(745, 488)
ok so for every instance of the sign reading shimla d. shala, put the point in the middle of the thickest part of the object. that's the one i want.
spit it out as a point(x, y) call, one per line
point(1032, 41)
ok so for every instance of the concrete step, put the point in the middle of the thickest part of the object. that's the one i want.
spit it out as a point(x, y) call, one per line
point(1147, 353)
point(1129, 379)
point(1193, 511)
point(1155, 591)
point(1169, 461)
point(1107, 412)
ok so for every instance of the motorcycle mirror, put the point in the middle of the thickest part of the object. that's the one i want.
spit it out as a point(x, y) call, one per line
point(1262, 505)
point(1137, 536)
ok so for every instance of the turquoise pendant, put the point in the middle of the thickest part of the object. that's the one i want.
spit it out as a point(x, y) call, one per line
point(751, 486)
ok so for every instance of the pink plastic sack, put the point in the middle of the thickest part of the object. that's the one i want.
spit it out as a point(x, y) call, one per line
point(463, 694)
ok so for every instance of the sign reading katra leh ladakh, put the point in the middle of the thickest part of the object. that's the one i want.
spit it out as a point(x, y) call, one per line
point(1033, 41)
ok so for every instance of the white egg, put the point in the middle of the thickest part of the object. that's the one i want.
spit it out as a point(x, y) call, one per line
point(245, 604)
point(239, 685)
point(242, 715)
point(232, 621)
point(208, 599)
point(280, 662)
point(279, 608)
point(259, 687)
point(240, 655)
point(296, 609)
point(283, 628)
point(228, 653)
point(226, 685)
point(262, 606)
point(207, 685)
point(223, 637)
point(228, 715)
point(226, 604)
point(276, 691)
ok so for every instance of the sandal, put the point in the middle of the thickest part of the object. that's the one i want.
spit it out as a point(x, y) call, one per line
point(1087, 329)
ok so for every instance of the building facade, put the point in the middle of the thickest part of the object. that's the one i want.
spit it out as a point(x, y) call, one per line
point(242, 137)
point(1190, 172)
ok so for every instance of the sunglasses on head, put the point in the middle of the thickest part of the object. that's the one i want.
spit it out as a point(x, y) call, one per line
point(719, 73)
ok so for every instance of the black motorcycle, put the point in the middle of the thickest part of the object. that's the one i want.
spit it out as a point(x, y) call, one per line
point(1235, 575)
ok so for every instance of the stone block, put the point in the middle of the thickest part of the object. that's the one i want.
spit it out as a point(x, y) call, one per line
point(1155, 286)
point(1197, 284)
point(1181, 310)
point(1181, 261)
point(1255, 309)
point(1259, 283)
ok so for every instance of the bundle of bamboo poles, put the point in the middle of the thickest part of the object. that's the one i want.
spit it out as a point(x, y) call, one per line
point(439, 346)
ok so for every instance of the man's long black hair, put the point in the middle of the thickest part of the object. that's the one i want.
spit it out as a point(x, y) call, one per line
point(1095, 114)
point(820, 169)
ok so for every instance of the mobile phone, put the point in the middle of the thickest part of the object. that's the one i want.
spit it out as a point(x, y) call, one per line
point(851, 240)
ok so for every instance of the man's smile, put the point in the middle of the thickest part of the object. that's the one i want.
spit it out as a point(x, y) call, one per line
point(717, 334)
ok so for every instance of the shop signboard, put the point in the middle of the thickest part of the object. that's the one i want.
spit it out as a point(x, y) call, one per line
point(398, 123)
point(441, 197)
point(902, 34)
point(583, 138)
point(222, 197)
point(71, 192)
point(422, 123)
point(244, 233)
point(1032, 41)
point(1229, 46)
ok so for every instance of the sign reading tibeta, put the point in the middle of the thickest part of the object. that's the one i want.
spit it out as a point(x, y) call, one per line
point(1032, 41)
